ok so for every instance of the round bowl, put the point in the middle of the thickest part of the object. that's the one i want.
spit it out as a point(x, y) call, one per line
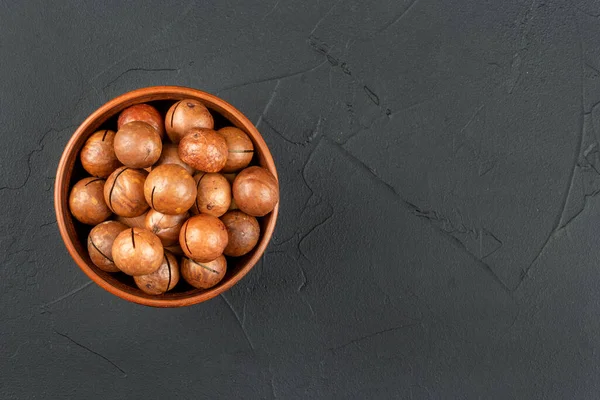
point(70, 170)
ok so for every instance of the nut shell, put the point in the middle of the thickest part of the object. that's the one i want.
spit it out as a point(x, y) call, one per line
point(145, 113)
point(99, 244)
point(243, 232)
point(133, 222)
point(256, 191)
point(203, 238)
point(137, 251)
point(170, 155)
point(170, 189)
point(163, 279)
point(203, 275)
point(165, 226)
point(204, 150)
point(98, 156)
point(239, 148)
point(137, 145)
point(214, 194)
point(185, 115)
point(124, 192)
point(86, 201)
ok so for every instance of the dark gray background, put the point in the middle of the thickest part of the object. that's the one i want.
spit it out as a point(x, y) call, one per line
point(438, 234)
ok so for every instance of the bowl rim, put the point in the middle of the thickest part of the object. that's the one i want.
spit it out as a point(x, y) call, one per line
point(116, 105)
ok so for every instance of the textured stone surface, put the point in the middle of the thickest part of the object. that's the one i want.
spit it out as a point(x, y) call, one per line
point(438, 236)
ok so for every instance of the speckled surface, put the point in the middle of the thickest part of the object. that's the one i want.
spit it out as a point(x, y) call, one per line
point(438, 232)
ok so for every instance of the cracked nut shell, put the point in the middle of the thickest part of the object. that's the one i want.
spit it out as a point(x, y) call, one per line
point(145, 113)
point(203, 275)
point(99, 244)
point(170, 189)
point(204, 150)
point(138, 145)
point(124, 192)
point(170, 155)
point(256, 191)
point(239, 148)
point(185, 115)
point(203, 238)
point(165, 226)
point(98, 156)
point(163, 279)
point(87, 203)
point(214, 194)
point(243, 232)
point(137, 251)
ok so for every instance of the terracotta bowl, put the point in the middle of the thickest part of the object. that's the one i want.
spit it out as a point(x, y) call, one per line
point(70, 171)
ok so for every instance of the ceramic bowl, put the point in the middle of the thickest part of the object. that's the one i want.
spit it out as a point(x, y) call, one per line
point(69, 171)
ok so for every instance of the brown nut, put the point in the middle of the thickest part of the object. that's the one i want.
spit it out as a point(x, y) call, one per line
point(99, 244)
point(170, 155)
point(165, 226)
point(239, 147)
point(137, 144)
point(163, 279)
point(214, 194)
point(133, 222)
point(256, 191)
point(185, 115)
point(145, 113)
point(137, 251)
point(170, 189)
point(124, 192)
point(243, 232)
point(98, 154)
point(203, 275)
point(87, 203)
point(203, 238)
point(204, 150)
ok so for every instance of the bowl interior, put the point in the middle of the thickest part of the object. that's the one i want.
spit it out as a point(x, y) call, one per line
point(70, 171)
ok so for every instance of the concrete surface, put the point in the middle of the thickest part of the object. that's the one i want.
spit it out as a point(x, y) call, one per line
point(438, 234)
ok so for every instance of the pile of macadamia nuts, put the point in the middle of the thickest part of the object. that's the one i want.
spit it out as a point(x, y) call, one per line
point(171, 197)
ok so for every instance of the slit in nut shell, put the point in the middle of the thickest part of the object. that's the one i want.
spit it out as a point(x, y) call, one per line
point(99, 244)
point(137, 252)
point(162, 280)
point(203, 238)
point(239, 147)
point(170, 189)
point(203, 275)
point(124, 192)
